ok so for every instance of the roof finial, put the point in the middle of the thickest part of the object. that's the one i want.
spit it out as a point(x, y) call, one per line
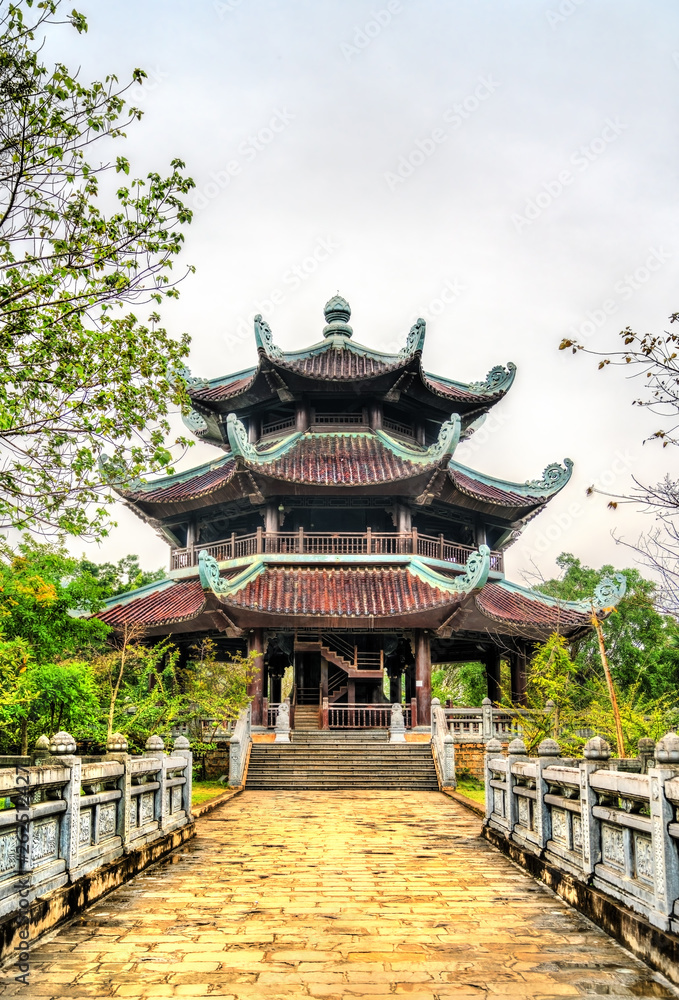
point(337, 312)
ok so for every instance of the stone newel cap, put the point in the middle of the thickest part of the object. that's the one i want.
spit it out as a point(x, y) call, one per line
point(493, 746)
point(667, 749)
point(116, 743)
point(597, 749)
point(181, 743)
point(42, 743)
point(62, 743)
point(516, 747)
point(549, 748)
point(154, 743)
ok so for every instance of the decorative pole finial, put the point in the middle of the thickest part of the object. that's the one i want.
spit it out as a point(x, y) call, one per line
point(337, 313)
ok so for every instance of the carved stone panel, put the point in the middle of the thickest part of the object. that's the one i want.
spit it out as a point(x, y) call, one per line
point(44, 840)
point(176, 798)
point(107, 820)
point(560, 826)
point(612, 849)
point(133, 813)
point(577, 833)
point(146, 808)
point(8, 852)
point(85, 835)
point(498, 801)
point(643, 857)
point(524, 813)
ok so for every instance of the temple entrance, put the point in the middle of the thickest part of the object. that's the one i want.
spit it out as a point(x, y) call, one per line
point(308, 678)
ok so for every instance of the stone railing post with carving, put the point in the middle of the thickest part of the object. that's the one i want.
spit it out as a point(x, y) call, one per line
point(487, 720)
point(116, 749)
point(596, 753)
point(516, 751)
point(548, 753)
point(155, 747)
point(665, 858)
point(283, 723)
point(493, 750)
point(238, 747)
point(443, 743)
point(397, 727)
point(62, 750)
point(182, 748)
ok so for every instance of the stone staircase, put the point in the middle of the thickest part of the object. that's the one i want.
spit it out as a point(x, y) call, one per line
point(330, 761)
point(306, 718)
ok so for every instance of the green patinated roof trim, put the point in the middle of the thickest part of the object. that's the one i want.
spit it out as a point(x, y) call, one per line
point(475, 576)
point(608, 592)
point(146, 486)
point(554, 478)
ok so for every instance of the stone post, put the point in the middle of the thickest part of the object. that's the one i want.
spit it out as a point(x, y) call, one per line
point(448, 762)
point(487, 720)
point(41, 751)
point(665, 863)
point(646, 753)
point(548, 754)
point(493, 750)
point(283, 723)
point(62, 748)
point(156, 748)
point(397, 729)
point(116, 749)
point(516, 751)
point(597, 753)
point(256, 685)
point(422, 676)
point(182, 748)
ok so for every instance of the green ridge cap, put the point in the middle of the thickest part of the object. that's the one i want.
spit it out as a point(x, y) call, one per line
point(607, 593)
point(131, 595)
point(554, 478)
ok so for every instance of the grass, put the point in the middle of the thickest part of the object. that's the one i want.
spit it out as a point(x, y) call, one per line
point(203, 791)
point(473, 789)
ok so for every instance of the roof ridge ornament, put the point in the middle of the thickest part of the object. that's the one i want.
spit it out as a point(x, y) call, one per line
point(476, 571)
point(337, 312)
point(609, 591)
point(415, 339)
point(241, 446)
point(208, 571)
point(264, 338)
point(195, 422)
point(183, 372)
point(554, 477)
point(498, 379)
point(449, 436)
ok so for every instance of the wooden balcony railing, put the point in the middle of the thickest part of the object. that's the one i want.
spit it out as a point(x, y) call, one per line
point(332, 543)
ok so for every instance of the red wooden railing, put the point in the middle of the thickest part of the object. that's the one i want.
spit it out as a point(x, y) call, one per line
point(364, 716)
point(332, 543)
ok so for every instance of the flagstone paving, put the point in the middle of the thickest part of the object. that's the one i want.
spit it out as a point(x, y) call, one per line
point(335, 895)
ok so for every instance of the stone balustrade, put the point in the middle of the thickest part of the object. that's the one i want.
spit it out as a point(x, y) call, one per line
point(66, 816)
point(613, 829)
point(239, 748)
point(443, 745)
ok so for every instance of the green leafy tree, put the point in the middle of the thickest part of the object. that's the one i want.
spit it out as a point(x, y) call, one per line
point(642, 643)
point(217, 690)
point(461, 683)
point(81, 240)
point(49, 697)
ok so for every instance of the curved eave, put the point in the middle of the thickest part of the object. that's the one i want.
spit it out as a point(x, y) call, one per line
point(512, 501)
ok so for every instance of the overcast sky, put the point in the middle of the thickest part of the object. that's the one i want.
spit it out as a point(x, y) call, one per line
point(508, 170)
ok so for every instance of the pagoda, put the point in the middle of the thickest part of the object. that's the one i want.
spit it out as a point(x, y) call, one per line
point(335, 533)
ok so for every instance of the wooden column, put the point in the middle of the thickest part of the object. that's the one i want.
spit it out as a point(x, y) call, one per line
point(422, 676)
point(518, 670)
point(324, 677)
point(302, 417)
point(493, 662)
point(395, 688)
point(375, 415)
point(253, 429)
point(270, 526)
point(256, 685)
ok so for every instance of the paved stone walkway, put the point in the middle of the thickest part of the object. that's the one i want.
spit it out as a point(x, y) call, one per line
point(335, 895)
